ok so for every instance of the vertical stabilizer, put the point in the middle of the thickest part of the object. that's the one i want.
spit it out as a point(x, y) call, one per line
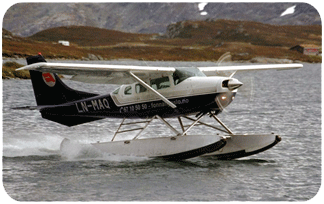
point(49, 89)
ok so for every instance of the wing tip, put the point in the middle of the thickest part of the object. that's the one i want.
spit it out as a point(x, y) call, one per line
point(32, 66)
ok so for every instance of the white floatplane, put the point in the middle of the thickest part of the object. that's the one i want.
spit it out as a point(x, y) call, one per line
point(147, 93)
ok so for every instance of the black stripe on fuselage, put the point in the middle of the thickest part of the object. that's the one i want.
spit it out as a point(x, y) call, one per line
point(100, 107)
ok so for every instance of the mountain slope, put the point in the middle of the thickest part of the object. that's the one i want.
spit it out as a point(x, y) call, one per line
point(87, 36)
point(25, 19)
point(220, 31)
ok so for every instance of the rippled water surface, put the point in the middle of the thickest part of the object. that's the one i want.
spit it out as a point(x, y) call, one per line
point(285, 102)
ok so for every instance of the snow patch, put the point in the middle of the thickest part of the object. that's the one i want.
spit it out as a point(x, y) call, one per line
point(201, 7)
point(288, 11)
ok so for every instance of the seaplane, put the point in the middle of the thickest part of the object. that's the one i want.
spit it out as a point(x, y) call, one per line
point(148, 93)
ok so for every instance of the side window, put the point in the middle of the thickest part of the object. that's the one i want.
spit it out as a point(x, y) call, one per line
point(116, 91)
point(160, 83)
point(128, 90)
point(139, 88)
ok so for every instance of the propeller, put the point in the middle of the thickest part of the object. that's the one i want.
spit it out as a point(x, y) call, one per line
point(245, 83)
point(226, 56)
point(248, 89)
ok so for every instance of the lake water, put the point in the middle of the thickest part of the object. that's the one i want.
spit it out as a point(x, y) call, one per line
point(285, 102)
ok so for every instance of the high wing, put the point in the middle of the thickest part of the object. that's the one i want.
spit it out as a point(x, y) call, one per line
point(97, 73)
point(231, 70)
point(120, 74)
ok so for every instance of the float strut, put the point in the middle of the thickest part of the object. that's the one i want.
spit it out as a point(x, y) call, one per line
point(193, 124)
point(222, 124)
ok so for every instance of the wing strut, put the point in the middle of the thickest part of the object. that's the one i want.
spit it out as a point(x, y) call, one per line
point(154, 91)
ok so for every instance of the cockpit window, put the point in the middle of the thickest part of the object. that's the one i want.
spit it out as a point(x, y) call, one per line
point(160, 83)
point(183, 73)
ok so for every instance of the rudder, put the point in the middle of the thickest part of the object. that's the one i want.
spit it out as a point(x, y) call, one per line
point(49, 88)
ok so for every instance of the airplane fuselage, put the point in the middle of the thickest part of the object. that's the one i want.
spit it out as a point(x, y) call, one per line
point(191, 96)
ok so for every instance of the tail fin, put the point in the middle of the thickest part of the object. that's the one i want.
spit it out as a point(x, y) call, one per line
point(49, 88)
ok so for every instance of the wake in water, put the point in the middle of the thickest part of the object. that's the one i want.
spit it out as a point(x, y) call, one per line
point(53, 145)
point(73, 150)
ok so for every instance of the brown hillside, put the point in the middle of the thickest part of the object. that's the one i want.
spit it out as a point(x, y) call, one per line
point(14, 46)
point(184, 41)
point(87, 36)
point(215, 32)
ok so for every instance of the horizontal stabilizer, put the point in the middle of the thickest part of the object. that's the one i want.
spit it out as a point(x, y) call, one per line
point(39, 107)
point(50, 112)
point(26, 108)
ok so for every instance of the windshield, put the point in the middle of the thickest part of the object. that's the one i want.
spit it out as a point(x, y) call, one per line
point(183, 73)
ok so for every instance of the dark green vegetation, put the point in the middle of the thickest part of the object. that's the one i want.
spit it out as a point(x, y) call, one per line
point(8, 71)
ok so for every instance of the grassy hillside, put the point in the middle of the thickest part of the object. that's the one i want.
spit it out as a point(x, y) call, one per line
point(8, 71)
point(13, 46)
point(87, 36)
point(184, 41)
point(215, 32)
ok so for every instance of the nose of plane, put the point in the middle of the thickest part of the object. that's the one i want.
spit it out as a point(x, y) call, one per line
point(234, 84)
